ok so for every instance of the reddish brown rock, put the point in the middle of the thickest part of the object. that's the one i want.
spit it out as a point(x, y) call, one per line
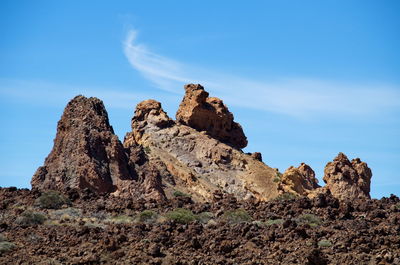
point(204, 113)
point(347, 180)
point(299, 180)
point(86, 152)
point(194, 162)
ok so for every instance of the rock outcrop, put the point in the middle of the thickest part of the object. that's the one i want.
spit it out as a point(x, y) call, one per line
point(209, 114)
point(300, 180)
point(198, 154)
point(347, 180)
point(87, 154)
point(198, 163)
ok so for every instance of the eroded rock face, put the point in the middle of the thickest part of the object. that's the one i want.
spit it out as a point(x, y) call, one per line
point(347, 180)
point(300, 180)
point(199, 154)
point(86, 152)
point(209, 114)
point(197, 163)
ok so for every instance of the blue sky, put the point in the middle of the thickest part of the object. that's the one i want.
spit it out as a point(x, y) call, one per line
point(306, 79)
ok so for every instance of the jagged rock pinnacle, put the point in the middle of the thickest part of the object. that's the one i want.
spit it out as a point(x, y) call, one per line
point(209, 114)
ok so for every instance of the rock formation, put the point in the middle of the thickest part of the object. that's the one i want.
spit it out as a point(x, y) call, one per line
point(198, 154)
point(198, 163)
point(347, 180)
point(209, 114)
point(300, 180)
point(87, 154)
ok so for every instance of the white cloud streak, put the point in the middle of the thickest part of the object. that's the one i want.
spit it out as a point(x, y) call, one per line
point(302, 98)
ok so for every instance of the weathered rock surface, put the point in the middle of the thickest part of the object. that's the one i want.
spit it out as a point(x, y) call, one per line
point(198, 154)
point(209, 114)
point(347, 180)
point(198, 163)
point(300, 180)
point(300, 231)
point(87, 154)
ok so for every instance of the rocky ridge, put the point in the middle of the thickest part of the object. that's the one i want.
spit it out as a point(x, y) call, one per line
point(198, 154)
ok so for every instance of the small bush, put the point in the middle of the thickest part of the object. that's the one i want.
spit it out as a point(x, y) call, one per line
point(309, 219)
point(6, 247)
point(324, 243)
point(121, 219)
point(73, 213)
point(147, 150)
point(29, 218)
point(274, 222)
point(182, 216)
point(147, 216)
point(236, 216)
point(204, 217)
point(2, 238)
point(51, 200)
point(286, 197)
point(178, 193)
point(278, 177)
point(258, 223)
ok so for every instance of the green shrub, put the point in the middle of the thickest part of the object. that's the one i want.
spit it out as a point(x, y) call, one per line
point(204, 217)
point(147, 150)
point(286, 197)
point(52, 200)
point(29, 218)
point(182, 216)
point(236, 216)
point(2, 238)
point(178, 193)
point(309, 219)
point(6, 247)
point(274, 222)
point(324, 243)
point(147, 216)
point(278, 177)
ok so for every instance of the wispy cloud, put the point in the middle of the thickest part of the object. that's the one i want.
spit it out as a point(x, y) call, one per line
point(305, 97)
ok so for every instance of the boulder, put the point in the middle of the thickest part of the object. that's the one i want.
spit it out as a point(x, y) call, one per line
point(347, 180)
point(300, 180)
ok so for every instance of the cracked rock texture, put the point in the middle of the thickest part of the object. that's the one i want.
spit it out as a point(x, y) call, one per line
point(198, 154)
point(86, 152)
point(300, 180)
point(209, 114)
point(88, 155)
point(348, 180)
point(198, 163)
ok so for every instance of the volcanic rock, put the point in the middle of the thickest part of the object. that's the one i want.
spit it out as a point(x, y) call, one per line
point(86, 152)
point(209, 114)
point(87, 155)
point(347, 180)
point(197, 163)
point(300, 180)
